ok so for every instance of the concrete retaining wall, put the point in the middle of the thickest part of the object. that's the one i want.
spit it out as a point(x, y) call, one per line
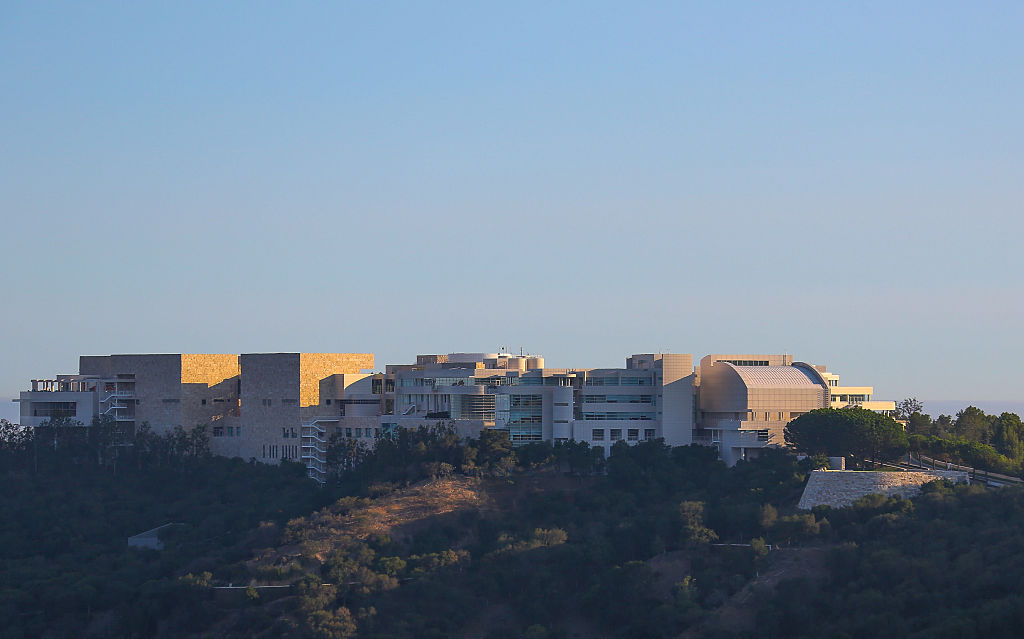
point(839, 488)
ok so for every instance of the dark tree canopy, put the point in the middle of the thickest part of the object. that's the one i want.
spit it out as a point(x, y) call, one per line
point(847, 432)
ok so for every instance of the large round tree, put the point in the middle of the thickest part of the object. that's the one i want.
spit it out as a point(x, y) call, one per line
point(847, 432)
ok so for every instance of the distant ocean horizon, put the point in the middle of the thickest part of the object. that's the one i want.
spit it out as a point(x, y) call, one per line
point(951, 407)
point(9, 410)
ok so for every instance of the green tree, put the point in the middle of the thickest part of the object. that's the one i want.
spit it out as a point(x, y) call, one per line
point(907, 407)
point(919, 423)
point(1008, 436)
point(336, 624)
point(972, 423)
point(494, 451)
point(849, 432)
point(942, 426)
point(825, 431)
point(694, 531)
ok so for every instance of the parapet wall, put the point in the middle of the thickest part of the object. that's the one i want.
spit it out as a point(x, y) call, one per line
point(839, 488)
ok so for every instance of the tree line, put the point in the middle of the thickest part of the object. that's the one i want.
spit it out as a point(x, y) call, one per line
point(988, 442)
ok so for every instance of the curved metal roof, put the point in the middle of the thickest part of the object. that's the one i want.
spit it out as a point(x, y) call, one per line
point(775, 376)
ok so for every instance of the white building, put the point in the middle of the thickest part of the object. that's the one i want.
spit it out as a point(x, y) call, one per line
point(261, 405)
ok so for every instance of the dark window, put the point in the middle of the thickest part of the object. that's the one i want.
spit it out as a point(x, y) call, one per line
point(54, 410)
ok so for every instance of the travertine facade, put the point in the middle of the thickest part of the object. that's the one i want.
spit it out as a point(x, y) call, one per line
point(252, 405)
point(840, 488)
point(282, 391)
point(746, 401)
point(273, 406)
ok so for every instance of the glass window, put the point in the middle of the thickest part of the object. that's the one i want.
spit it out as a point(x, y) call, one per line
point(597, 434)
point(54, 410)
point(616, 434)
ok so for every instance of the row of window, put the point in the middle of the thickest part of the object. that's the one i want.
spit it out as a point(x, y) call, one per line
point(269, 402)
point(363, 432)
point(526, 419)
point(526, 401)
point(379, 386)
point(615, 434)
point(54, 410)
point(746, 362)
point(755, 415)
point(275, 451)
point(232, 431)
point(623, 416)
point(618, 399)
point(620, 381)
point(497, 380)
point(851, 398)
point(526, 437)
point(434, 381)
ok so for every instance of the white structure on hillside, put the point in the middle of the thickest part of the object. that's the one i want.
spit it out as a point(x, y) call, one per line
point(274, 406)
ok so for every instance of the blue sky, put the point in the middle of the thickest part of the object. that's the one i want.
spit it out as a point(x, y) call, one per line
point(585, 180)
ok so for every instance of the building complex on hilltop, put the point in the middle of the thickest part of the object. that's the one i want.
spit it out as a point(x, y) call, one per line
point(274, 406)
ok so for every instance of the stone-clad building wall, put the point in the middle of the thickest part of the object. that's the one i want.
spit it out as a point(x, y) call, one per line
point(209, 396)
point(315, 367)
point(173, 389)
point(840, 488)
point(157, 385)
point(279, 392)
point(253, 405)
point(270, 406)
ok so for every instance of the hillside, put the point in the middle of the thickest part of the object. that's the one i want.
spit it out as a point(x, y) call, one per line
point(480, 541)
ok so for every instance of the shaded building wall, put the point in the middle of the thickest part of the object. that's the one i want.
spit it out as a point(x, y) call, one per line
point(270, 406)
point(280, 391)
point(677, 379)
point(157, 377)
point(209, 396)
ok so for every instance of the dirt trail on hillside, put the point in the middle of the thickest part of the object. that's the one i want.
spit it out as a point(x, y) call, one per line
point(399, 515)
point(408, 510)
